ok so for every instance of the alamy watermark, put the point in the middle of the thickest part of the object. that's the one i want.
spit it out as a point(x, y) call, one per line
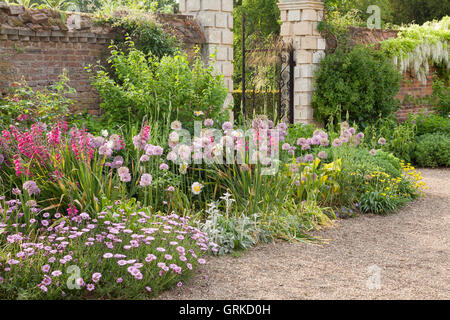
point(374, 21)
point(228, 146)
point(374, 280)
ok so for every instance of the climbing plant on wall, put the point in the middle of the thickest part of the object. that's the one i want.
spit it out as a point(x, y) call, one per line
point(416, 47)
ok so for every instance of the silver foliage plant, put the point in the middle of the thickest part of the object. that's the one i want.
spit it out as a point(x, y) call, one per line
point(229, 232)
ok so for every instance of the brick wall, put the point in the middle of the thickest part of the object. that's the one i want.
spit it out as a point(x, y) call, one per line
point(39, 44)
point(414, 88)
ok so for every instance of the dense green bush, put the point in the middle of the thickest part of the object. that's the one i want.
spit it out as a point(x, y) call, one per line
point(299, 130)
point(372, 182)
point(165, 90)
point(433, 150)
point(357, 82)
point(431, 123)
point(25, 105)
point(441, 91)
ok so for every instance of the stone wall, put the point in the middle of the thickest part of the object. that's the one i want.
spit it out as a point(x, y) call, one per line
point(299, 27)
point(216, 19)
point(39, 44)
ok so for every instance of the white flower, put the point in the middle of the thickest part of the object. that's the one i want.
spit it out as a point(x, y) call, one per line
point(183, 168)
point(196, 188)
point(105, 133)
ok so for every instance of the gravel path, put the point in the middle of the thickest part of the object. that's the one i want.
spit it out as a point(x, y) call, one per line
point(410, 250)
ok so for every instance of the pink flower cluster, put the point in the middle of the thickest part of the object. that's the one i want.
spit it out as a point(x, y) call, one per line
point(115, 248)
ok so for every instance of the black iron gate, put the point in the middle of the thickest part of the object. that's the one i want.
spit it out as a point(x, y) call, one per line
point(267, 80)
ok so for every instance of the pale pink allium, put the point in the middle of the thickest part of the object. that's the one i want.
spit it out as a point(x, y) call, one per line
point(382, 141)
point(146, 180)
point(322, 155)
point(176, 125)
point(227, 126)
point(31, 187)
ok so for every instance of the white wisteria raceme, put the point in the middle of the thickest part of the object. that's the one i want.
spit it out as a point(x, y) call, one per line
point(418, 47)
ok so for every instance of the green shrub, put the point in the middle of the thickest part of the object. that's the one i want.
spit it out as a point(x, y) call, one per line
point(441, 91)
point(378, 202)
point(402, 141)
point(299, 130)
point(374, 182)
point(357, 82)
point(163, 90)
point(433, 150)
point(431, 123)
point(26, 105)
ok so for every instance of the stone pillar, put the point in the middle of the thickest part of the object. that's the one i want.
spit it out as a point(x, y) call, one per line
point(299, 26)
point(216, 19)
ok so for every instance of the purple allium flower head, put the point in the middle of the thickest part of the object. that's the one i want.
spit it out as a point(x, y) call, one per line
point(208, 122)
point(306, 146)
point(172, 156)
point(336, 143)
point(227, 126)
point(324, 142)
point(157, 151)
point(382, 141)
point(308, 158)
point(146, 180)
point(163, 166)
point(31, 187)
point(176, 125)
point(322, 155)
point(315, 140)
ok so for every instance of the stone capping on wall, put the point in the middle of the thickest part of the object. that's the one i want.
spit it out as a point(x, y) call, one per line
point(20, 24)
point(294, 5)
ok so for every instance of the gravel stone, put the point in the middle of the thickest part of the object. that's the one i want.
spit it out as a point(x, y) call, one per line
point(411, 248)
